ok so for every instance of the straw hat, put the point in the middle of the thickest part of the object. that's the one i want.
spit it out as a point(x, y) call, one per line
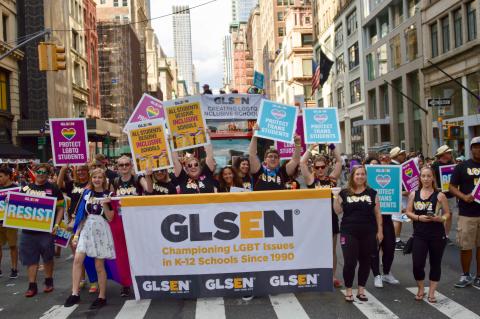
point(443, 150)
point(396, 151)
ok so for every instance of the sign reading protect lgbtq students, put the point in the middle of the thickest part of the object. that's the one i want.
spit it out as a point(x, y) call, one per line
point(446, 173)
point(3, 197)
point(385, 179)
point(149, 146)
point(410, 175)
point(321, 125)
point(277, 121)
point(69, 141)
point(186, 123)
point(30, 212)
point(148, 108)
point(286, 150)
point(231, 106)
point(229, 244)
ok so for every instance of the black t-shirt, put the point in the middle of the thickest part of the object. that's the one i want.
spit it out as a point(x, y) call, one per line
point(422, 207)
point(111, 175)
point(160, 188)
point(93, 202)
point(327, 182)
point(74, 191)
point(247, 182)
point(6, 187)
point(203, 184)
point(466, 175)
point(436, 168)
point(270, 180)
point(358, 212)
point(46, 190)
point(132, 187)
point(292, 184)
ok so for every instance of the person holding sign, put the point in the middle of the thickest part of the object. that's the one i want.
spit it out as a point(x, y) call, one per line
point(465, 178)
point(93, 237)
point(429, 238)
point(8, 235)
point(318, 178)
point(361, 225)
point(34, 244)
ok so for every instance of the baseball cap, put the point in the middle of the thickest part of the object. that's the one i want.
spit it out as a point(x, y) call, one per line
point(475, 140)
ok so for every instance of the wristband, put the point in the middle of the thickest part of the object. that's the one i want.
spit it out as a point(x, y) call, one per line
point(444, 218)
point(56, 226)
point(75, 237)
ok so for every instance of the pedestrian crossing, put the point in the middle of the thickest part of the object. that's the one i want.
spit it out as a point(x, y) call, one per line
point(288, 306)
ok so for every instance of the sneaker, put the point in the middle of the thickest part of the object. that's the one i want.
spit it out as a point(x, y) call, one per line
point(247, 298)
point(390, 279)
point(72, 300)
point(476, 283)
point(377, 281)
point(98, 303)
point(32, 290)
point(48, 285)
point(399, 245)
point(125, 292)
point(465, 280)
point(93, 288)
point(13, 274)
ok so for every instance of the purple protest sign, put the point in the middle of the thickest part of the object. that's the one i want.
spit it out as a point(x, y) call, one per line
point(286, 149)
point(148, 108)
point(410, 175)
point(446, 173)
point(476, 193)
point(3, 197)
point(69, 141)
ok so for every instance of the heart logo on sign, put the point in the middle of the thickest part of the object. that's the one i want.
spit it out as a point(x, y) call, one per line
point(320, 118)
point(383, 180)
point(409, 172)
point(279, 114)
point(152, 112)
point(69, 133)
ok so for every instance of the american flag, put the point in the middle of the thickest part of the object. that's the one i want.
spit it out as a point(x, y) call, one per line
point(321, 71)
point(315, 77)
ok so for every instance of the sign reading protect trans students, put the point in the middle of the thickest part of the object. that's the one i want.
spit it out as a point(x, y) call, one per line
point(229, 244)
point(277, 121)
point(69, 141)
point(385, 179)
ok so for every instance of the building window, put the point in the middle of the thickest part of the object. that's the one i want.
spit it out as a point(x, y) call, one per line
point(340, 98)
point(471, 20)
point(445, 34)
point(280, 16)
point(5, 27)
point(307, 39)
point(306, 67)
point(102, 1)
point(370, 67)
point(355, 91)
point(307, 92)
point(352, 23)
point(457, 24)
point(412, 7)
point(434, 39)
point(339, 35)
point(395, 52)
point(382, 59)
point(383, 26)
point(280, 32)
point(115, 3)
point(373, 34)
point(353, 56)
point(75, 42)
point(398, 14)
point(411, 43)
point(125, 3)
point(4, 92)
point(340, 64)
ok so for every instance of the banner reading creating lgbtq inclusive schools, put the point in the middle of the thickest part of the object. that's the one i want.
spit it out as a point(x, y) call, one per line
point(3, 197)
point(149, 146)
point(286, 150)
point(231, 106)
point(277, 121)
point(321, 125)
point(186, 123)
point(410, 175)
point(385, 179)
point(30, 212)
point(148, 108)
point(69, 141)
point(446, 173)
point(229, 244)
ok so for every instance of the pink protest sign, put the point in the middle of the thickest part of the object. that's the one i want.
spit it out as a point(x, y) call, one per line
point(410, 175)
point(148, 108)
point(286, 149)
point(476, 193)
point(69, 141)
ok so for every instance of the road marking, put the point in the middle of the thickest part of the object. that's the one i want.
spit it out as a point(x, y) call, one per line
point(208, 308)
point(447, 306)
point(373, 308)
point(59, 312)
point(134, 309)
point(287, 306)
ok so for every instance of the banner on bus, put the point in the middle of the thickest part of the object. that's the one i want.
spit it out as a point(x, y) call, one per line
point(229, 244)
point(231, 106)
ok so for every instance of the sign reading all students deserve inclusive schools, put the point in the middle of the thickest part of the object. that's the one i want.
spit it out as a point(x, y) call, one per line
point(410, 175)
point(186, 123)
point(321, 125)
point(277, 121)
point(3, 197)
point(286, 150)
point(148, 108)
point(30, 212)
point(69, 141)
point(385, 179)
point(149, 146)
point(446, 173)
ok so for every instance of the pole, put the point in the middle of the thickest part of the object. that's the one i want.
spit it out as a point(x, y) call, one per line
point(407, 97)
point(36, 36)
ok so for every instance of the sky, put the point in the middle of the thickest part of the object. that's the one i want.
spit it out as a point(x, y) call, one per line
point(209, 23)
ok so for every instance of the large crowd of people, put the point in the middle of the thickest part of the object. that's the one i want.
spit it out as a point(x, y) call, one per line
point(366, 236)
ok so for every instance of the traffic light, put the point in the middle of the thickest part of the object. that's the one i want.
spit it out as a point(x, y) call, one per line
point(43, 60)
point(51, 57)
point(58, 61)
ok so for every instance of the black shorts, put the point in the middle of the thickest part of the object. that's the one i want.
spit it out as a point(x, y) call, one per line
point(34, 245)
point(335, 226)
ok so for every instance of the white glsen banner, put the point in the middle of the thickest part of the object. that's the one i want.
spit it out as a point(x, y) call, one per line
point(229, 244)
point(231, 106)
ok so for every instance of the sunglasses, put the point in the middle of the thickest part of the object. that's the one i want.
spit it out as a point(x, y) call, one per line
point(190, 165)
point(124, 165)
point(272, 156)
point(320, 167)
point(40, 172)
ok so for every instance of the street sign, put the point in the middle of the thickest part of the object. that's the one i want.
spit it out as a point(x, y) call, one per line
point(439, 102)
point(42, 140)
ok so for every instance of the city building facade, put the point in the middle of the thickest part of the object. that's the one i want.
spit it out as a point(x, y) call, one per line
point(242, 60)
point(91, 50)
point(241, 10)
point(227, 61)
point(182, 39)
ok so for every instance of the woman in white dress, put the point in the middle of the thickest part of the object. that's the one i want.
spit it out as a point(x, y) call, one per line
point(93, 237)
